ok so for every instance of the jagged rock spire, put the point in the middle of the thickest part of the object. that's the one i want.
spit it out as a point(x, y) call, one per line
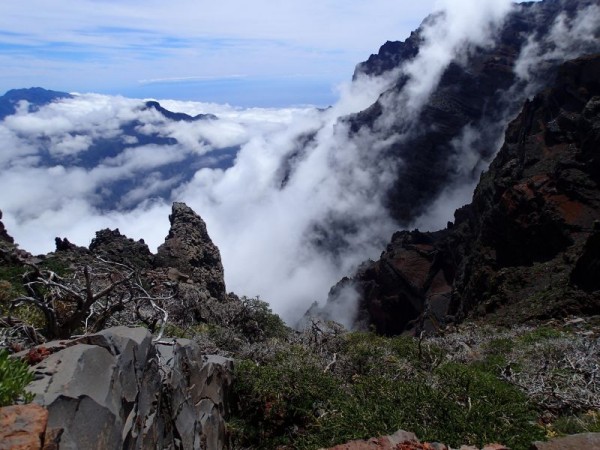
point(189, 249)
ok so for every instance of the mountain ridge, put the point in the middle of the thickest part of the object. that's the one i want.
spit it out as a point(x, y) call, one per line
point(526, 246)
point(477, 94)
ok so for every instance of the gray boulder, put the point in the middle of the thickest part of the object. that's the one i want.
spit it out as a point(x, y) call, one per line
point(118, 389)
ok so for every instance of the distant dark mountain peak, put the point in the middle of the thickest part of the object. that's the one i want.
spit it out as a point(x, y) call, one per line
point(177, 116)
point(35, 96)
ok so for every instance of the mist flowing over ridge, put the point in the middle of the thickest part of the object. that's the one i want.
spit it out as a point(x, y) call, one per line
point(296, 198)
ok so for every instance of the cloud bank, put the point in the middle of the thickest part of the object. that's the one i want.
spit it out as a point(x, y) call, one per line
point(295, 169)
point(293, 198)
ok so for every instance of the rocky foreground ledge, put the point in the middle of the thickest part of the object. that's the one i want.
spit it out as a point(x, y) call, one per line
point(402, 440)
point(119, 389)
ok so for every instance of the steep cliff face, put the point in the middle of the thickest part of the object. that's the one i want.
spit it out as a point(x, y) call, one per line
point(527, 246)
point(531, 230)
point(465, 115)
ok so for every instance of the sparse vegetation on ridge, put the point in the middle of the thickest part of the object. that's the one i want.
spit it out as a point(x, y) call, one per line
point(326, 387)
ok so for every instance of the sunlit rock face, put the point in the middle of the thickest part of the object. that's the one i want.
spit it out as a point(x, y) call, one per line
point(119, 389)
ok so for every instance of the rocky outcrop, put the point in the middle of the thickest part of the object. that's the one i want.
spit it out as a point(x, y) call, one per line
point(535, 210)
point(391, 442)
point(118, 389)
point(10, 253)
point(4, 236)
point(189, 249)
point(112, 245)
point(573, 442)
point(527, 246)
point(410, 281)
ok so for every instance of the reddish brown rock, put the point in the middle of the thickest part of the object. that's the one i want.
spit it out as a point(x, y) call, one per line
point(22, 427)
point(587, 441)
point(401, 440)
point(408, 286)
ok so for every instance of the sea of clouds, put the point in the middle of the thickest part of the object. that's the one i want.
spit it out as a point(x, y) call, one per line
point(300, 206)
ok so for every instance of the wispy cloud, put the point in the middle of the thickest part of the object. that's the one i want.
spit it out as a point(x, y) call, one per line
point(87, 45)
point(191, 79)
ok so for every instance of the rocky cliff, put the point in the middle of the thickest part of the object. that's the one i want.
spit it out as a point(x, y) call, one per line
point(189, 249)
point(451, 137)
point(119, 389)
point(527, 246)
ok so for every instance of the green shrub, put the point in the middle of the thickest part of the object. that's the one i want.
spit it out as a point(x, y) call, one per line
point(14, 376)
point(539, 334)
point(56, 265)
point(279, 401)
point(13, 281)
point(377, 386)
point(256, 322)
point(176, 331)
point(480, 408)
point(584, 423)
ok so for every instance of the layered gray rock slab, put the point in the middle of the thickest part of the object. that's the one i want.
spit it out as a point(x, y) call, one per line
point(197, 388)
point(118, 389)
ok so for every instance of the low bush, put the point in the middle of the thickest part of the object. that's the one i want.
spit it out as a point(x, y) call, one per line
point(14, 376)
point(374, 385)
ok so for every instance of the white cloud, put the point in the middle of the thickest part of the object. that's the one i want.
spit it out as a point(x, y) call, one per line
point(456, 27)
point(265, 221)
point(94, 45)
point(568, 38)
point(301, 206)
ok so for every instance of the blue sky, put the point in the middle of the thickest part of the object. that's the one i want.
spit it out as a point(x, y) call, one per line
point(258, 53)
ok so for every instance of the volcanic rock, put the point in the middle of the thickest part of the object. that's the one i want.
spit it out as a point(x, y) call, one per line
point(403, 440)
point(189, 249)
point(535, 210)
point(573, 442)
point(527, 246)
point(112, 245)
point(4, 236)
point(476, 94)
point(391, 442)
